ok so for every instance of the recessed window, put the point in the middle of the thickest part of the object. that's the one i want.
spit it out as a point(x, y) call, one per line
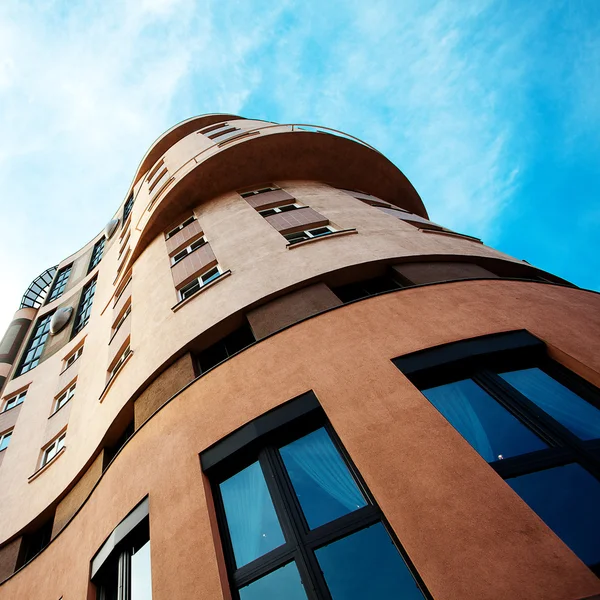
point(191, 288)
point(61, 400)
point(259, 191)
point(296, 520)
point(122, 319)
point(85, 307)
point(188, 250)
point(301, 236)
point(368, 287)
point(72, 358)
point(35, 347)
point(14, 401)
point(97, 253)
point(127, 209)
point(5, 439)
point(119, 362)
point(234, 342)
point(278, 209)
point(53, 449)
point(180, 227)
point(535, 423)
point(60, 283)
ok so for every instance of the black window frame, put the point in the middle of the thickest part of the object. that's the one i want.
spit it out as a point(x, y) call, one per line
point(260, 441)
point(59, 284)
point(97, 254)
point(84, 309)
point(40, 330)
point(482, 359)
point(127, 209)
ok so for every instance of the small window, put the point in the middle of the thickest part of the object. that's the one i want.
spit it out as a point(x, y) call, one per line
point(63, 398)
point(259, 191)
point(85, 307)
point(188, 250)
point(191, 288)
point(14, 401)
point(119, 362)
point(278, 209)
point(122, 319)
point(72, 358)
point(127, 209)
point(301, 236)
point(221, 133)
point(35, 347)
point(60, 283)
point(5, 439)
point(180, 227)
point(97, 253)
point(53, 449)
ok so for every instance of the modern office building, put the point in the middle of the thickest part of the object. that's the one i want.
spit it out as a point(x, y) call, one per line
point(271, 376)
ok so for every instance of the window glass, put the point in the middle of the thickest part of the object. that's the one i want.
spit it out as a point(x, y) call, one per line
point(567, 500)
point(141, 578)
point(572, 411)
point(484, 423)
point(366, 564)
point(323, 484)
point(210, 276)
point(251, 519)
point(5, 440)
point(285, 583)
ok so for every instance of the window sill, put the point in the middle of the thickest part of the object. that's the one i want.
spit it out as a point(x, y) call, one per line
point(47, 465)
point(204, 287)
point(340, 233)
point(111, 380)
point(452, 234)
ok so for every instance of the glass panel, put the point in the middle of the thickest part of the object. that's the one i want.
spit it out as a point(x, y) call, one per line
point(251, 518)
point(367, 565)
point(577, 415)
point(484, 423)
point(285, 583)
point(325, 488)
point(567, 500)
point(5, 440)
point(141, 579)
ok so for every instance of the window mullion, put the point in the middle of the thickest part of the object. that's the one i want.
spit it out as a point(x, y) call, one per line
point(124, 576)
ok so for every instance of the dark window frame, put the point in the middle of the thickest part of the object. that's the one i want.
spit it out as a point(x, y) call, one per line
point(127, 209)
point(59, 284)
point(260, 441)
point(84, 309)
point(40, 330)
point(97, 254)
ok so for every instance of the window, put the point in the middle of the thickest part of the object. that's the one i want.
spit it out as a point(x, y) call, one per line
point(121, 569)
point(72, 358)
point(122, 319)
point(60, 283)
point(369, 287)
point(234, 342)
point(300, 236)
point(97, 253)
point(180, 227)
point(278, 209)
point(119, 362)
point(127, 209)
point(14, 401)
point(63, 399)
point(53, 449)
point(85, 307)
point(536, 424)
point(295, 519)
point(31, 357)
point(217, 134)
point(188, 250)
point(5, 439)
point(191, 288)
point(259, 191)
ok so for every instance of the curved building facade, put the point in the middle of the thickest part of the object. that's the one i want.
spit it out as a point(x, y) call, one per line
point(272, 376)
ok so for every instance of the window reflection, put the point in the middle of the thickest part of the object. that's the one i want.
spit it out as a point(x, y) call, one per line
point(141, 579)
point(283, 583)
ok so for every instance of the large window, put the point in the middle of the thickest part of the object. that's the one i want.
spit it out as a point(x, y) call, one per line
point(97, 253)
point(60, 283)
point(535, 423)
point(296, 521)
point(127, 209)
point(85, 306)
point(35, 347)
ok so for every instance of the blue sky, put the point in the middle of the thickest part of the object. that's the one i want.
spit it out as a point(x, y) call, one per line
point(489, 107)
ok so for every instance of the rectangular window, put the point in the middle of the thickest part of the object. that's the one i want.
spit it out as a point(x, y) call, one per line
point(119, 362)
point(368, 287)
point(221, 133)
point(180, 227)
point(85, 307)
point(191, 288)
point(234, 342)
point(61, 400)
point(127, 209)
point(301, 236)
point(259, 191)
point(278, 209)
point(97, 253)
point(13, 401)
point(122, 319)
point(5, 439)
point(188, 250)
point(53, 449)
point(537, 425)
point(72, 358)
point(60, 283)
point(35, 347)
point(297, 522)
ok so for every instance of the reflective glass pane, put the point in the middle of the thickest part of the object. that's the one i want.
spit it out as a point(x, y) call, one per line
point(577, 415)
point(567, 500)
point(366, 564)
point(283, 583)
point(5, 440)
point(141, 575)
point(484, 423)
point(324, 486)
point(253, 526)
